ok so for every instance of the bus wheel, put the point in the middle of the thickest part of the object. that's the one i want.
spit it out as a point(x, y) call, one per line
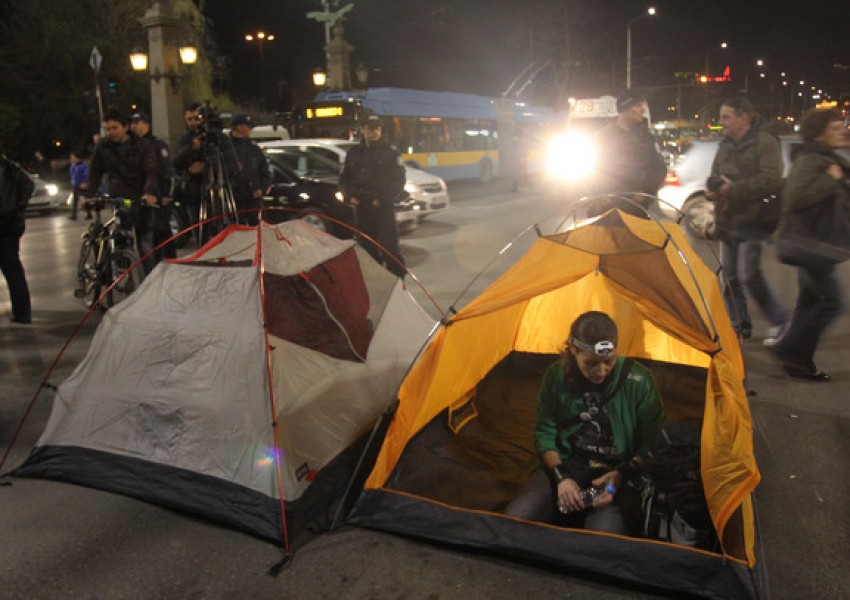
point(485, 171)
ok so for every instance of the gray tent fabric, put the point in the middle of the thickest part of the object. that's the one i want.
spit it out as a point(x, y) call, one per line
point(176, 399)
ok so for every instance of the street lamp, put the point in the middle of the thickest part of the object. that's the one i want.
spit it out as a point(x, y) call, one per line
point(260, 37)
point(649, 13)
point(162, 60)
point(188, 56)
point(320, 77)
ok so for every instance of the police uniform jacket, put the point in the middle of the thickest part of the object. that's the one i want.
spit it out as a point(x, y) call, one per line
point(254, 171)
point(372, 172)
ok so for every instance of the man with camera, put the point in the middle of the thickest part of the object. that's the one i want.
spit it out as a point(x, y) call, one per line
point(206, 163)
point(254, 177)
point(746, 169)
point(132, 169)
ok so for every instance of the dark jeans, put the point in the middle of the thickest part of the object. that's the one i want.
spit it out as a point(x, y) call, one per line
point(13, 271)
point(379, 224)
point(741, 261)
point(818, 303)
point(536, 502)
point(162, 231)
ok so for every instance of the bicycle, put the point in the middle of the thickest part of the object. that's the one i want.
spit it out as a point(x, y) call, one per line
point(107, 251)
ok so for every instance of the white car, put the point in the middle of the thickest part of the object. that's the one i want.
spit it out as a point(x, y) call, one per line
point(46, 197)
point(684, 188)
point(428, 191)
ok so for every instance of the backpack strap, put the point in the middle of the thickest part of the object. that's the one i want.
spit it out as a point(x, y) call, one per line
point(621, 380)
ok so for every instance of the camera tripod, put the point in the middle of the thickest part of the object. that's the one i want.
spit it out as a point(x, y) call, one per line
point(216, 194)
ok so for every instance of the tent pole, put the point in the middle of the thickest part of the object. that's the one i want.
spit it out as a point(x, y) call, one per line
point(287, 554)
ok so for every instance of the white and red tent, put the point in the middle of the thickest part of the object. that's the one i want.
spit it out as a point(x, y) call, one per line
point(231, 382)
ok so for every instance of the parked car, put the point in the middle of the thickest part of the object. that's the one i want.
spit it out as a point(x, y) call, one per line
point(428, 191)
point(45, 198)
point(684, 188)
point(316, 197)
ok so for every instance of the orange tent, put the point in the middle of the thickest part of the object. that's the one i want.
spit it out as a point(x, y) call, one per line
point(670, 313)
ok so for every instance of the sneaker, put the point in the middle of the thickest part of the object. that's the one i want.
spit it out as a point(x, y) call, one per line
point(774, 334)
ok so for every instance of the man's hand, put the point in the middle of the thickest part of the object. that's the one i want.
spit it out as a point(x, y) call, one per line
point(835, 172)
point(167, 201)
point(604, 499)
point(149, 199)
point(196, 167)
point(85, 185)
point(258, 194)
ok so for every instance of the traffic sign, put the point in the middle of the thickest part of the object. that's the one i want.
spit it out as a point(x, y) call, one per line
point(95, 59)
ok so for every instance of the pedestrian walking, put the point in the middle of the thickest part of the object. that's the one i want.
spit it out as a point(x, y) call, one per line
point(746, 169)
point(79, 171)
point(254, 178)
point(140, 124)
point(372, 179)
point(818, 176)
point(16, 187)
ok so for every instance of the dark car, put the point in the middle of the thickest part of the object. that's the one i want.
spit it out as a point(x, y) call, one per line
point(316, 193)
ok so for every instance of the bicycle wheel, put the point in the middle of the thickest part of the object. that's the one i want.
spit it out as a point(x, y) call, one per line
point(88, 282)
point(128, 280)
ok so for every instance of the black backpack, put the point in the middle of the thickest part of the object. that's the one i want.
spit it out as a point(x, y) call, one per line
point(672, 464)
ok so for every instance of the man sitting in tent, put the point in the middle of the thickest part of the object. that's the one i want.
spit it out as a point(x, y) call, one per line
point(597, 413)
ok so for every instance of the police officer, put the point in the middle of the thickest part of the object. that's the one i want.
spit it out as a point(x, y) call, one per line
point(372, 179)
point(140, 124)
point(254, 177)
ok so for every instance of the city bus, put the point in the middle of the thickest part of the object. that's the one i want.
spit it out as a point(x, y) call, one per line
point(452, 135)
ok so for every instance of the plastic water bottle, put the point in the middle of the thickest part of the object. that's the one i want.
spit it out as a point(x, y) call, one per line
point(589, 494)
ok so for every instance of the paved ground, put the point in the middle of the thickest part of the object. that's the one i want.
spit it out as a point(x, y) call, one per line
point(63, 541)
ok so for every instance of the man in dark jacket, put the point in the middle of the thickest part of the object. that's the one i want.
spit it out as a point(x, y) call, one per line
point(140, 124)
point(747, 168)
point(16, 187)
point(630, 162)
point(372, 178)
point(132, 169)
point(188, 162)
point(254, 177)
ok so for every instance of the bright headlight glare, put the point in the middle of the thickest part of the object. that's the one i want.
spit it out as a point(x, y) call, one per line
point(410, 188)
point(571, 157)
point(339, 197)
point(52, 189)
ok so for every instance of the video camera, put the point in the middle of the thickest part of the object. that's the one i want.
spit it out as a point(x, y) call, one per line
point(211, 125)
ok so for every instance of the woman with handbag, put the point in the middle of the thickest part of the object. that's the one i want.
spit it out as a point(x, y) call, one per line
point(813, 235)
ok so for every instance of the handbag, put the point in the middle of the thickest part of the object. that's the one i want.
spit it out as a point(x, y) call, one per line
point(817, 236)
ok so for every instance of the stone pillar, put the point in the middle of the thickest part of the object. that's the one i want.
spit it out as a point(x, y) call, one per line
point(339, 52)
point(163, 58)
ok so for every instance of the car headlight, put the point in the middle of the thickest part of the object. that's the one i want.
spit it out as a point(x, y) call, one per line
point(339, 197)
point(411, 188)
point(571, 157)
point(52, 189)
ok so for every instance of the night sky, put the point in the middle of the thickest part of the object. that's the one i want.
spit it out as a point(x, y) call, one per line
point(480, 46)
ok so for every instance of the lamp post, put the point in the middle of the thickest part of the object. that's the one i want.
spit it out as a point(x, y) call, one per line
point(261, 38)
point(163, 64)
point(649, 13)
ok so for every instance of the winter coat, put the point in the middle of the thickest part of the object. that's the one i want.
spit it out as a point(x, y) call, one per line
point(132, 167)
point(374, 171)
point(16, 187)
point(754, 165)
